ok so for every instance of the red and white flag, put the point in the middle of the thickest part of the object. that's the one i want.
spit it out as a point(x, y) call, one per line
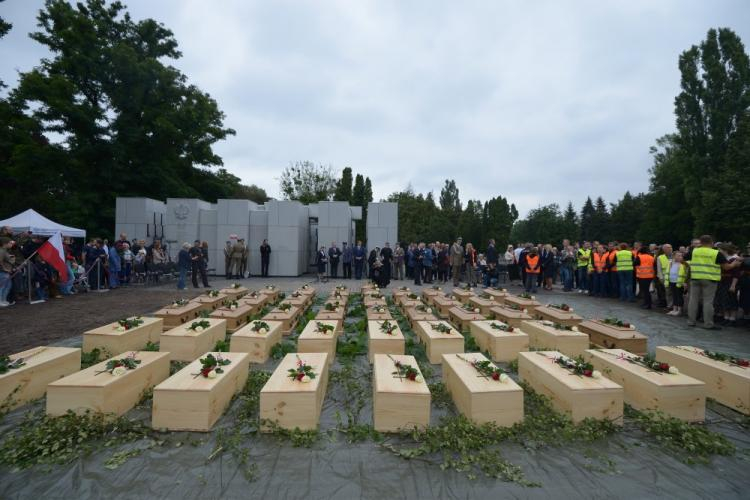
point(53, 253)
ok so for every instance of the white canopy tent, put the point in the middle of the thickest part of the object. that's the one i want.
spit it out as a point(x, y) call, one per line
point(33, 221)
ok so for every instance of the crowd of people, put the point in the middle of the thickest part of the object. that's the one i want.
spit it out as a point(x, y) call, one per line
point(705, 280)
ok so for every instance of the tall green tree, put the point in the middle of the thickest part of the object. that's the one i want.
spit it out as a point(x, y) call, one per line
point(124, 121)
point(450, 206)
point(600, 222)
point(470, 224)
point(588, 220)
point(358, 200)
point(541, 225)
point(715, 96)
point(308, 183)
point(626, 217)
point(668, 217)
point(570, 224)
point(498, 218)
point(344, 186)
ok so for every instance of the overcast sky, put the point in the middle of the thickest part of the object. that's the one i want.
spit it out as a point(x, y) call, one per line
point(541, 102)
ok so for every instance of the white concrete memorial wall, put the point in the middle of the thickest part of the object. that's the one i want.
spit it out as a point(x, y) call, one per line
point(289, 227)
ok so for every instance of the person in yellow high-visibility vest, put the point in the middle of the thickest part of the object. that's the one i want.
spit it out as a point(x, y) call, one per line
point(583, 257)
point(705, 264)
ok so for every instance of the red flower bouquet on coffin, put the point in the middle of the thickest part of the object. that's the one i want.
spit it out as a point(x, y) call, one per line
point(211, 366)
point(617, 322)
point(118, 367)
point(650, 362)
point(561, 307)
point(128, 323)
point(726, 358)
point(302, 373)
point(323, 328)
point(440, 327)
point(404, 371)
point(486, 369)
point(502, 327)
point(577, 366)
point(388, 328)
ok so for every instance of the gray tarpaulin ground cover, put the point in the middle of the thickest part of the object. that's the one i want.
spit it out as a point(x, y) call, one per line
point(334, 468)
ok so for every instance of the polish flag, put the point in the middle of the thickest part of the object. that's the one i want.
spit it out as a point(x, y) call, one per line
point(53, 253)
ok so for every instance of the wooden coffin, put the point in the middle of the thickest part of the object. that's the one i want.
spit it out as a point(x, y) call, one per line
point(413, 315)
point(337, 314)
point(112, 339)
point(462, 295)
point(106, 393)
point(462, 318)
point(442, 305)
point(42, 365)
point(177, 315)
point(341, 290)
point(510, 316)
point(184, 344)
point(300, 301)
point(256, 301)
point(578, 396)
point(312, 340)
point(379, 342)
point(398, 404)
point(341, 298)
point(208, 303)
point(292, 404)
point(368, 288)
point(233, 293)
point(186, 402)
point(528, 304)
point(727, 383)
point(407, 303)
point(483, 304)
point(438, 343)
point(373, 313)
point(271, 291)
point(287, 318)
point(255, 342)
point(235, 318)
point(370, 301)
point(498, 294)
point(678, 395)
point(307, 290)
point(502, 345)
point(613, 337)
point(397, 294)
point(544, 336)
point(480, 398)
point(429, 294)
point(557, 316)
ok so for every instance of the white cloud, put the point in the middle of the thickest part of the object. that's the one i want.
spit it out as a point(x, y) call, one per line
point(538, 101)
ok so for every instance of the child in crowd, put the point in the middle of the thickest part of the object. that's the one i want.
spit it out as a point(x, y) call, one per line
point(677, 284)
point(127, 262)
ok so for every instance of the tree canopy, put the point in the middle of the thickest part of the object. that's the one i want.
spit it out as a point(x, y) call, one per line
point(105, 116)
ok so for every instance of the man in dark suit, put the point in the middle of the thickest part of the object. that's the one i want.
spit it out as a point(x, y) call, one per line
point(334, 253)
point(346, 261)
point(265, 258)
